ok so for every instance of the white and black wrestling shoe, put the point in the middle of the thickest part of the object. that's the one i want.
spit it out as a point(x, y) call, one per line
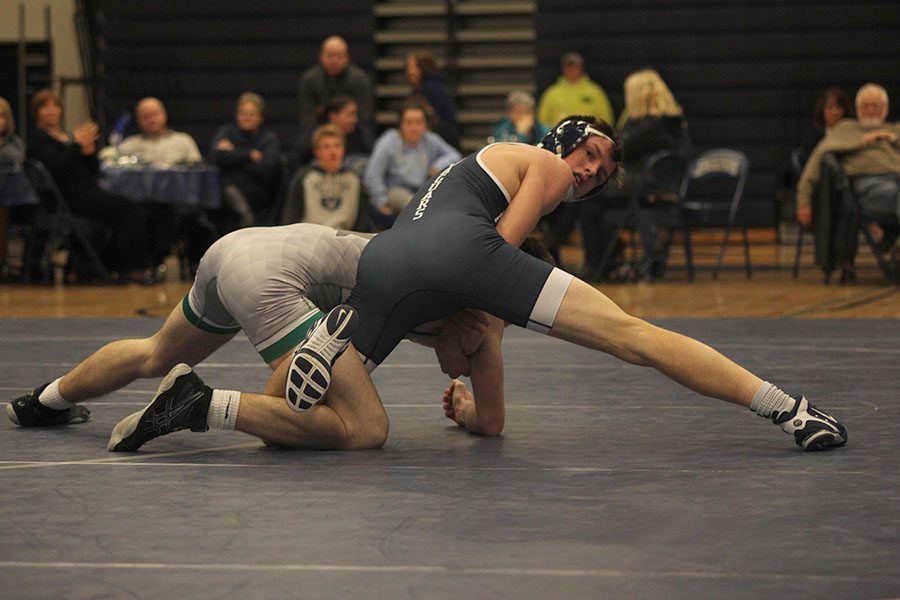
point(309, 374)
point(812, 428)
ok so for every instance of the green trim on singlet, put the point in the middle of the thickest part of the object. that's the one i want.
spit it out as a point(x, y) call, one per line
point(288, 342)
point(198, 322)
point(425, 333)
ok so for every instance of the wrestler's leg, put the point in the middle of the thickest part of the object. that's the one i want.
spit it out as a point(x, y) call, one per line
point(118, 363)
point(589, 318)
point(350, 417)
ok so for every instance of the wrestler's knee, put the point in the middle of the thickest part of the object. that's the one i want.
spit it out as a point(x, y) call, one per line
point(368, 435)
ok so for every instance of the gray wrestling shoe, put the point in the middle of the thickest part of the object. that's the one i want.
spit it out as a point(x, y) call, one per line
point(27, 411)
point(181, 402)
point(309, 374)
point(812, 429)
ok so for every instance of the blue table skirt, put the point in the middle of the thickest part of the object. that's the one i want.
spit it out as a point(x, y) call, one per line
point(15, 189)
point(188, 188)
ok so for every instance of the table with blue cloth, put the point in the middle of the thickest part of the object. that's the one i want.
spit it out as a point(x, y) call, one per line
point(15, 190)
point(190, 189)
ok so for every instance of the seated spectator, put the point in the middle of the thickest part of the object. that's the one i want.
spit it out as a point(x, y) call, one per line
point(156, 144)
point(869, 152)
point(343, 112)
point(12, 148)
point(404, 158)
point(832, 105)
point(519, 124)
point(326, 191)
point(335, 75)
point(655, 122)
point(12, 155)
point(72, 161)
point(425, 79)
point(247, 153)
point(574, 93)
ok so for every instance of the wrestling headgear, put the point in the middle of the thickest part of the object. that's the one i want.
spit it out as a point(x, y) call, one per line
point(568, 135)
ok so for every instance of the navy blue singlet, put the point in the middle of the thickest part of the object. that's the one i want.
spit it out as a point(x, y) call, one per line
point(444, 254)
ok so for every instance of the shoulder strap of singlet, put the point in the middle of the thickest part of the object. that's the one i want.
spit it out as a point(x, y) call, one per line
point(493, 177)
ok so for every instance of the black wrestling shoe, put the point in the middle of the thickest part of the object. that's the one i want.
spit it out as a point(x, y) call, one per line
point(309, 374)
point(28, 411)
point(812, 428)
point(181, 402)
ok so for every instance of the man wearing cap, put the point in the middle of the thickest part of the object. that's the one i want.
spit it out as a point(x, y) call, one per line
point(574, 94)
point(455, 247)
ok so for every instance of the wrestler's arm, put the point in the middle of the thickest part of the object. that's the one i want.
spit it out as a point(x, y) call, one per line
point(544, 183)
point(453, 339)
point(482, 410)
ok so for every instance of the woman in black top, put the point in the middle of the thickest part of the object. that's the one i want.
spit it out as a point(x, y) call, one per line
point(72, 161)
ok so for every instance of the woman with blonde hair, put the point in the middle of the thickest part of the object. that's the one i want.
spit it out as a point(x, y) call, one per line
point(646, 94)
point(12, 148)
point(653, 121)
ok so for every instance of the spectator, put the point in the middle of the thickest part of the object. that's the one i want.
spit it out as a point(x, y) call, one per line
point(156, 144)
point(12, 155)
point(72, 161)
point(870, 154)
point(519, 124)
point(334, 75)
point(325, 192)
point(404, 158)
point(343, 112)
point(247, 153)
point(655, 122)
point(832, 105)
point(12, 148)
point(574, 94)
point(424, 78)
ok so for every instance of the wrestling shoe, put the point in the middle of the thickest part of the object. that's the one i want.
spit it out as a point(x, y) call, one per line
point(28, 411)
point(181, 402)
point(812, 428)
point(309, 374)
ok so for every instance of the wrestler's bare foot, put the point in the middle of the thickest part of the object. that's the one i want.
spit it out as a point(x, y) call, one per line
point(456, 397)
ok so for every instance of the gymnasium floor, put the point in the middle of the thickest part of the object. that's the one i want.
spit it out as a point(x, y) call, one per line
point(608, 482)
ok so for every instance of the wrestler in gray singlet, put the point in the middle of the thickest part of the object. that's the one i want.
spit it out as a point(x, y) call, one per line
point(444, 254)
point(273, 282)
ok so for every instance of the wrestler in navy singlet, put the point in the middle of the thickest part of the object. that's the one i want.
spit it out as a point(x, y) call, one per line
point(444, 254)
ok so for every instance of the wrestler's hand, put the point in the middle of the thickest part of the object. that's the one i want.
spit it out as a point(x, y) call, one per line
point(457, 402)
point(461, 335)
point(470, 325)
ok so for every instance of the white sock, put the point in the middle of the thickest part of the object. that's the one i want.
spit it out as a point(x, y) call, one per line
point(223, 409)
point(51, 398)
point(769, 399)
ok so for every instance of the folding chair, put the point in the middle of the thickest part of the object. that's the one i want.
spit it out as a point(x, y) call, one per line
point(54, 227)
point(798, 160)
point(846, 223)
point(709, 197)
point(660, 178)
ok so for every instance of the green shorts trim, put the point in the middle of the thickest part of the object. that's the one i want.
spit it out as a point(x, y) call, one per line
point(195, 320)
point(294, 337)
